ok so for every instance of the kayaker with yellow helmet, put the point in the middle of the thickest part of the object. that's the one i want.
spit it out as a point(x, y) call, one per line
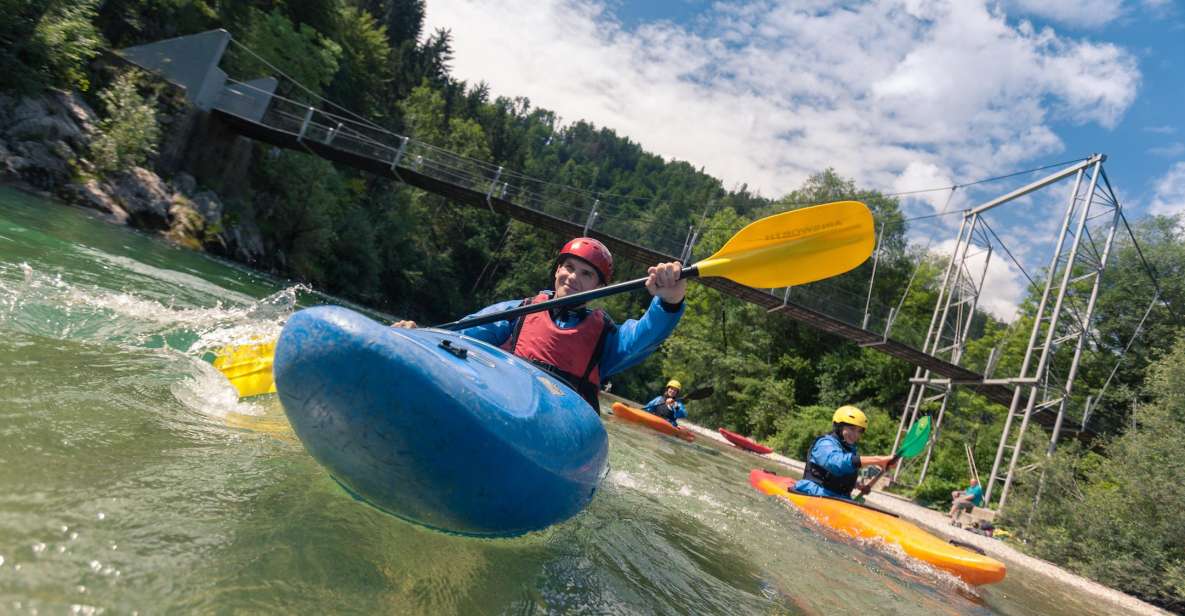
point(667, 405)
point(833, 462)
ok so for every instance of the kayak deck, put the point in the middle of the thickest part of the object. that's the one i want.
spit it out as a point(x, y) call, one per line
point(436, 428)
point(867, 523)
point(652, 421)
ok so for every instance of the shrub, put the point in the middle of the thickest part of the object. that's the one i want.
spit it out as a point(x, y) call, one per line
point(935, 491)
point(128, 135)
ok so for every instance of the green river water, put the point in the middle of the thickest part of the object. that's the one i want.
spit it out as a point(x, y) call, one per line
point(133, 482)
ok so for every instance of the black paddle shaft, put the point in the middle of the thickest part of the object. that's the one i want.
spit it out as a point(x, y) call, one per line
point(568, 300)
point(697, 394)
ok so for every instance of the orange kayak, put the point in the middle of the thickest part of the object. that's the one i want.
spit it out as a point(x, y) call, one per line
point(650, 420)
point(745, 442)
point(867, 523)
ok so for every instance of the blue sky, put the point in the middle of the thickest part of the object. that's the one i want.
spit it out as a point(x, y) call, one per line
point(898, 95)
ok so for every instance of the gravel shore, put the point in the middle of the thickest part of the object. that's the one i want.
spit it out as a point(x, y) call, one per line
point(939, 524)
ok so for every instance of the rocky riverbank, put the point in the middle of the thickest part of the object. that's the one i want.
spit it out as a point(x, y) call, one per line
point(45, 144)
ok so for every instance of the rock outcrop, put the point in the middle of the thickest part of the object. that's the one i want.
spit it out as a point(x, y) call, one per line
point(45, 143)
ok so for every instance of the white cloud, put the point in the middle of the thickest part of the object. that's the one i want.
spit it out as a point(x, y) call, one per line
point(918, 174)
point(1172, 150)
point(768, 93)
point(1034, 227)
point(1085, 13)
point(1161, 130)
point(1023, 251)
point(1169, 199)
point(1158, 8)
point(1002, 287)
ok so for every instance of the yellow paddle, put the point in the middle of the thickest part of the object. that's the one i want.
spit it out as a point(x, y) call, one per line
point(248, 367)
point(781, 250)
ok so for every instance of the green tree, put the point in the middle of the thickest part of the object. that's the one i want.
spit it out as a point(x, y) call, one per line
point(845, 296)
point(298, 199)
point(303, 54)
point(321, 15)
point(1127, 290)
point(1116, 517)
point(70, 41)
point(47, 44)
point(403, 20)
point(129, 133)
point(133, 22)
point(362, 81)
point(466, 239)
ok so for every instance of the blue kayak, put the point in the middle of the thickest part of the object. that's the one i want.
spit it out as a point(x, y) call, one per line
point(436, 428)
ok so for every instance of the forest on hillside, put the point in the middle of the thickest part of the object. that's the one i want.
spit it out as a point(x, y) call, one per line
point(1107, 508)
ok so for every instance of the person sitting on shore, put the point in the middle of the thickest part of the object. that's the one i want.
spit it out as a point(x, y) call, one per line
point(667, 405)
point(965, 500)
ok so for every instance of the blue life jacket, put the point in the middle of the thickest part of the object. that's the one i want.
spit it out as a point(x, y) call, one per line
point(658, 406)
point(842, 484)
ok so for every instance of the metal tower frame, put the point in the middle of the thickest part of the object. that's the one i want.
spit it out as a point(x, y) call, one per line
point(1077, 261)
point(950, 325)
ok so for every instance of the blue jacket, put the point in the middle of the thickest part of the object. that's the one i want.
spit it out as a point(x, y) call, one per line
point(680, 410)
point(631, 342)
point(829, 454)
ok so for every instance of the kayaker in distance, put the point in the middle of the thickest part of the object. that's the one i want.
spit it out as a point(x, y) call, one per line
point(833, 462)
point(668, 406)
point(580, 345)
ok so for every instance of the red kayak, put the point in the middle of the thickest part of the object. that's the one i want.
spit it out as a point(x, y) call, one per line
point(745, 443)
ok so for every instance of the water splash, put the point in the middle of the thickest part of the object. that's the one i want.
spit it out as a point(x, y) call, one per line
point(46, 305)
point(208, 393)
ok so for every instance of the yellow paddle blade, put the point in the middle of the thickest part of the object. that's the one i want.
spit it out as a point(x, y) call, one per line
point(796, 247)
point(248, 367)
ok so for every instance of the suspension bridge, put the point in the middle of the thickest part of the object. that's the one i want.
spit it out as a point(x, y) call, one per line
point(1038, 394)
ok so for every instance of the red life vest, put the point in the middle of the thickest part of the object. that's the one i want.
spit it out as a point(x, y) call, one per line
point(574, 354)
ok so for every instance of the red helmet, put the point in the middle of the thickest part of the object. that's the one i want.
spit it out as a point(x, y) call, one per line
point(594, 253)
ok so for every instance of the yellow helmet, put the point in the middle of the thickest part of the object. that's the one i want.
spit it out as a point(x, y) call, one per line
point(850, 415)
point(675, 384)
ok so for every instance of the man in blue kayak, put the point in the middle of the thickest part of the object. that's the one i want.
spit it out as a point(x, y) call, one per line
point(580, 345)
point(668, 405)
point(833, 462)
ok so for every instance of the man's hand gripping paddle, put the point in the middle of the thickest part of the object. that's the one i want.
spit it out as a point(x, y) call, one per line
point(913, 444)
